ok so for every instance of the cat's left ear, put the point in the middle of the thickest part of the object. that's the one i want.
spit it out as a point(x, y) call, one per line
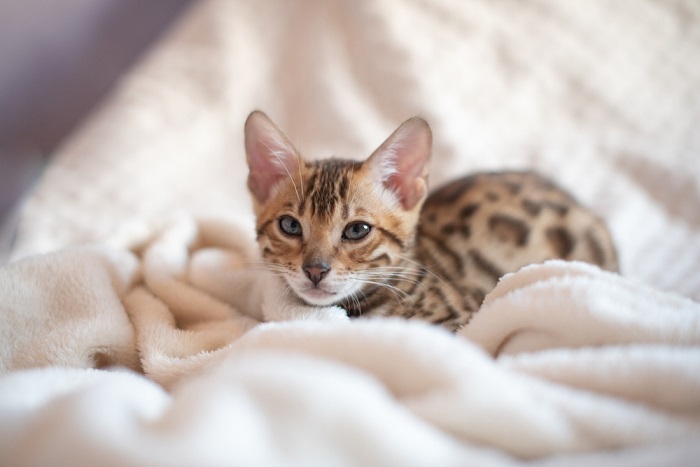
point(402, 161)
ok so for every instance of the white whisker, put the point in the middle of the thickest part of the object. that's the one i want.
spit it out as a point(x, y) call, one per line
point(301, 181)
point(425, 268)
point(400, 294)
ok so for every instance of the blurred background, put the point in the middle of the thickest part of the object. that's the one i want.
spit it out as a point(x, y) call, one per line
point(58, 59)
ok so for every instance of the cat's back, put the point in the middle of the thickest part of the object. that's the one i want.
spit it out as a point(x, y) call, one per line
point(485, 225)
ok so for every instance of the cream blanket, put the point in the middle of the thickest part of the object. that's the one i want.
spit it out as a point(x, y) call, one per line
point(563, 364)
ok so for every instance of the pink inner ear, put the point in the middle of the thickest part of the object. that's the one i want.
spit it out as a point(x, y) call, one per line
point(271, 158)
point(402, 161)
point(264, 175)
point(410, 189)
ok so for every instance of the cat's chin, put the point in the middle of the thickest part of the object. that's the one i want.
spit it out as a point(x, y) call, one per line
point(318, 297)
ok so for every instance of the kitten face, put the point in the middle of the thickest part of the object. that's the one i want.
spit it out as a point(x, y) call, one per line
point(327, 241)
point(335, 228)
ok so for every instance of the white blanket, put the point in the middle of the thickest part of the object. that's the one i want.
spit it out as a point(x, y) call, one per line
point(564, 364)
point(585, 361)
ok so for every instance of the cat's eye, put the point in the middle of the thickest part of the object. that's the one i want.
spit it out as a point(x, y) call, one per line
point(290, 226)
point(356, 231)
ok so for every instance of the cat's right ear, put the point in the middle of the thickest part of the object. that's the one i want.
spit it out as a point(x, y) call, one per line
point(401, 162)
point(271, 157)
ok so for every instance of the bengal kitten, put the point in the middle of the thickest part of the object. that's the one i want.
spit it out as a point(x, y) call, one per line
point(366, 237)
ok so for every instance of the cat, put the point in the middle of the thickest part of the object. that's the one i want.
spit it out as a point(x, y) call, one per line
point(366, 238)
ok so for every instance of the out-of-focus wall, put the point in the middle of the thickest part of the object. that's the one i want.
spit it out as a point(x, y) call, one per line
point(58, 58)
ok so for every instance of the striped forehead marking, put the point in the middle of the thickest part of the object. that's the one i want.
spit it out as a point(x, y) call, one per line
point(327, 185)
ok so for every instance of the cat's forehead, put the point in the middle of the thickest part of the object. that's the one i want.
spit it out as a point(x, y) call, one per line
point(326, 185)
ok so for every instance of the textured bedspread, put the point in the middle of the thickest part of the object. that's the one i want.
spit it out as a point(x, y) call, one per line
point(126, 247)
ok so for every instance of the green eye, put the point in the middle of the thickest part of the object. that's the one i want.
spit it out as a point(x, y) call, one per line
point(290, 226)
point(356, 231)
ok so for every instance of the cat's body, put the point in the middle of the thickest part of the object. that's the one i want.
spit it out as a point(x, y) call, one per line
point(474, 230)
point(365, 237)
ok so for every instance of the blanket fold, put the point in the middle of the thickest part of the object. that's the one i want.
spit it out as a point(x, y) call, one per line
point(578, 305)
point(65, 308)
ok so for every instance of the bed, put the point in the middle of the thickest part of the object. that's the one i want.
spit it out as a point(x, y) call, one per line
point(120, 345)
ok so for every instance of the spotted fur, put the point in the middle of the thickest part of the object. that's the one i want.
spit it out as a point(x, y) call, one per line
point(425, 257)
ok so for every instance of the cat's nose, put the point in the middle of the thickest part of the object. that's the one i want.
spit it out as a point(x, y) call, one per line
point(316, 271)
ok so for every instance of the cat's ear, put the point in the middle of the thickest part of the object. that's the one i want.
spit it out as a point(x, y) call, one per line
point(402, 161)
point(271, 157)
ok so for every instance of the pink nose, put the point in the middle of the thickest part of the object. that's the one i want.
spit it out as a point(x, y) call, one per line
point(316, 272)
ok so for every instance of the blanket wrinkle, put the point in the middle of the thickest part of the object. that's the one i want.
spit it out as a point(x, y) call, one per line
point(165, 267)
point(647, 370)
point(583, 306)
point(180, 327)
point(65, 308)
point(167, 352)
